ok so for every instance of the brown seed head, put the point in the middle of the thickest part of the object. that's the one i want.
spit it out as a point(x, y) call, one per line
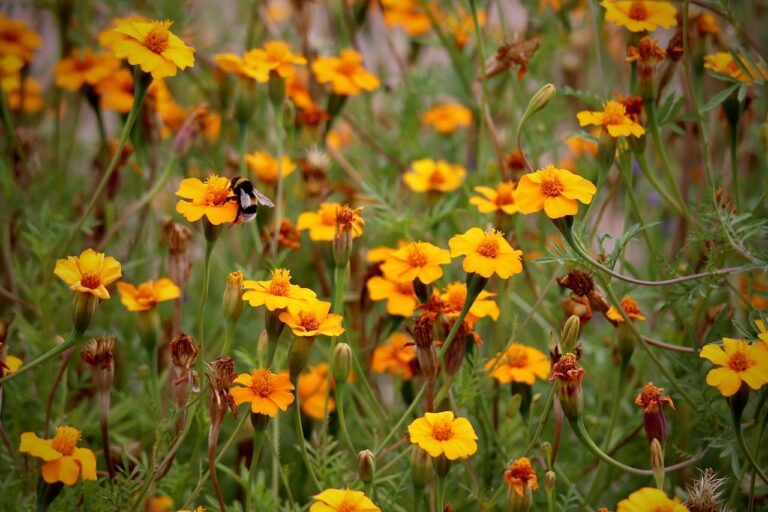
point(99, 351)
point(184, 351)
point(578, 281)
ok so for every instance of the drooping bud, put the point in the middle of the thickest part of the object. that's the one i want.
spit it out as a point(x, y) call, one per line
point(647, 54)
point(98, 354)
point(366, 466)
point(259, 421)
point(652, 401)
point(425, 347)
point(569, 375)
point(184, 379)
point(456, 352)
point(420, 467)
point(232, 303)
point(341, 363)
point(657, 463)
point(518, 53)
point(84, 307)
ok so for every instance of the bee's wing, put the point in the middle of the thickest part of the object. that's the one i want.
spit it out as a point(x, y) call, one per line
point(261, 198)
point(245, 199)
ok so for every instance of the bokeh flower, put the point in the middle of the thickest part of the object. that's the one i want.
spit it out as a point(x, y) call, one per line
point(312, 389)
point(84, 66)
point(486, 253)
point(725, 64)
point(739, 362)
point(151, 46)
point(265, 166)
point(313, 319)
point(28, 97)
point(416, 260)
point(649, 499)
point(447, 117)
point(499, 199)
point(345, 73)
point(277, 293)
point(18, 39)
point(265, 391)
point(613, 118)
point(519, 363)
point(274, 57)
point(146, 296)
point(395, 356)
point(638, 16)
point(212, 198)
point(429, 175)
point(342, 500)
point(401, 297)
point(407, 14)
point(442, 434)
point(322, 223)
point(64, 461)
point(556, 191)
point(91, 272)
point(116, 91)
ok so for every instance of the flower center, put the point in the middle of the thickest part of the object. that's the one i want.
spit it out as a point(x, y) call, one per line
point(156, 39)
point(65, 440)
point(456, 297)
point(488, 247)
point(308, 321)
point(404, 288)
point(629, 306)
point(551, 186)
point(740, 362)
point(346, 506)
point(442, 431)
point(281, 283)
point(145, 294)
point(90, 280)
point(638, 11)
point(215, 195)
point(504, 194)
point(417, 257)
point(517, 357)
point(614, 113)
point(436, 178)
point(261, 383)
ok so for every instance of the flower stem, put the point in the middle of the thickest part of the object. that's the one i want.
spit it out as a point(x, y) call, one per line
point(734, 162)
point(71, 341)
point(743, 445)
point(278, 109)
point(104, 400)
point(342, 419)
point(203, 298)
point(213, 437)
point(299, 431)
point(257, 438)
point(581, 432)
point(440, 493)
point(542, 419)
point(402, 419)
point(228, 334)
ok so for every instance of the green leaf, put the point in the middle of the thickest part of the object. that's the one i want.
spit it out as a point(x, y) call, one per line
point(718, 98)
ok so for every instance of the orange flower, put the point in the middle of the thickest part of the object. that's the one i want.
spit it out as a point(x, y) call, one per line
point(455, 295)
point(342, 500)
point(520, 474)
point(64, 461)
point(442, 434)
point(486, 253)
point(312, 388)
point(725, 64)
point(265, 166)
point(395, 356)
point(278, 293)
point(84, 67)
point(629, 306)
point(10, 72)
point(322, 224)
point(267, 392)
point(212, 199)
point(613, 118)
point(401, 298)
point(500, 199)
point(151, 46)
point(417, 260)
point(91, 272)
point(345, 72)
point(652, 399)
point(519, 363)
point(313, 319)
point(407, 14)
point(171, 113)
point(427, 174)
point(17, 39)
point(462, 26)
point(31, 93)
point(556, 191)
point(116, 91)
point(447, 117)
point(650, 499)
point(148, 294)
point(274, 57)
point(639, 16)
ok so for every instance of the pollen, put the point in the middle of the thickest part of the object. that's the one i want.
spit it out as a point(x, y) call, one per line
point(488, 246)
point(65, 440)
point(740, 362)
point(417, 257)
point(281, 283)
point(517, 357)
point(442, 431)
point(614, 113)
point(261, 382)
point(308, 321)
point(90, 280)
point(638, 11)
point(156, 39)
point(551, 186)
point(215, 194)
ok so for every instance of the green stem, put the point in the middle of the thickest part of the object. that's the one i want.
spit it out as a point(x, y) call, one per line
point(154, 376)
point(440, 493)
point(8, 122)
point(242, 135)
point(743, 446)
point(299, 432)
point(71, 341)
point(278, 109)
point(660, 188)
point(542, 420)
point(581, 432)
point(483, 88)
point(734, 162)
point(758, 441)
point(402, 419)
point(203, 298)
point(342, 419)
point(228, 334)
point(257, 438)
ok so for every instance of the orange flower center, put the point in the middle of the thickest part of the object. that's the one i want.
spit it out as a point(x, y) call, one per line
point(442, 431)
point(456, 297)
point(504, 194)
point(308, 321)
point(638, 11)
point(404, 288)
point(90, 280)
point(417, 257)
point(346, 506)
point(614, 113)
point(629, 306)
point(145, 294)
point(281, 283)
point(436, 178)
point(65, 440)
point(551, 186)
point(488, 247)
point(215, 195)
point(156, 39)
point(328, 216)
point(740, 362)
point(517, 357)
point(261, 382)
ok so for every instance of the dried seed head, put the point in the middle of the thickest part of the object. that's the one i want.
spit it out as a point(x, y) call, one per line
point(176, 237)
point(221, 376)
point(184, 351)
point(704, 494)
point(422, 329)
point(578, 281)
point(518, 53)
point(98, 351)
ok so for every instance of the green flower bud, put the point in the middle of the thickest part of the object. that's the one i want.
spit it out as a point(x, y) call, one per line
point(366, 466)
point(84, 307)
point(341, 363)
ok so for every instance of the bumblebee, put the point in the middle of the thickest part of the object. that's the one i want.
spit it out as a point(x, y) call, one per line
point(248, 199)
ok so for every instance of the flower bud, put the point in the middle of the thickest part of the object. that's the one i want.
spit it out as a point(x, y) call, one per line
point(366, 466)
point(606, 151)
point(244, 101)
point(276, 88)
point(259, 421)
point(542, 98)
point(652, 400)
point(149, 328)
point(457, 350)
point(176, 237)
point(272, 324)
point(442, 465)
point(420, 467)
point(262, 348)
point(569, 376)
point(298, 355)
point(569, 336)
point(517, 502)
point(211, 231)
point(549, 480)
point(348, 220)
point(84, 307)
point(657, 463)
point(341, 363)
point(232, 304)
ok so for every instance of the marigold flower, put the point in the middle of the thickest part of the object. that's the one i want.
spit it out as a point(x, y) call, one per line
point(159, 504)
point(10, 72)
point(346, 73)
point(322, 223)
point(520, 474)
point(278, 293)
point(407, 14)
point(762, 332)
point(429, 175)
point(18, 39)
point(212, 198)
point(580, 145)
point(556, 191)
point(706, 23)
point(116, 91)
point(569, 375)
point(725, 64)
point(313, 319)
point(289, 237)
point(640, 16)
point(348, 221)
point(740, 363)
point(629, 306)
point(401, 297)
point(649, 499)
point(28, 97)
point(312, 388)
point(395, 356)
point(442, 434)
point(10, 364)
point(613, 118)
point(84, 66)
point(265, 166)
point(519, 363)
point(500, 199)
point(91, 272)
point(380, 253)
point(267, 392)
point(447, 117)
point(273, 57)
point(486, 253)
point(171, 113)
point(150, 45)
point(652, 400)
point(455, 295)
point(147, 294)
point(416, 260)
point(342, 500)
point(64, 461)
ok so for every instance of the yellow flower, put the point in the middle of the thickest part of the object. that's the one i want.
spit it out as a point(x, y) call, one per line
point(455, 295)
point(148, 294)
point(313, 385)
point(84, 66)
point(274, 56)
point(64, 461)
point(116, 91)
point(265, 166)
point(32, 96)
point(762, 331)
point(11, 364)
point(486, 253)
point(171, 113)
point(158, 504)
point(345, 72)
point(499, 199)
point(407, 14)
point(640, 16)
point(521, 474)
point(553, 190)
point(401, 298)
point(725, 64)
point(629, 306)
point(395, 356)
point(91, 272)
point(739, 363)
point(649, 499)
point(277, 293)
point(212, 198)
point(416, 260)
point(265, 391)
point(322, 223)
point(17, 39)
point(427, 174)
point(447, 117)
point(342, 500)
point(10, 72)
point(297, 90)
point(613, 118)
point(151, 46)
point(442, 434)
point(519, 363)
point(313, 319)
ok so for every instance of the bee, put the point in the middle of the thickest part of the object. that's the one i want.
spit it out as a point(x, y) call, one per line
point(248, 199)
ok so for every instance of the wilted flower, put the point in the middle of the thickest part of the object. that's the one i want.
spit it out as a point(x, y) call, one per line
point(630, 308)
point(569, 375)
point(521, 477)
point(652, 400)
